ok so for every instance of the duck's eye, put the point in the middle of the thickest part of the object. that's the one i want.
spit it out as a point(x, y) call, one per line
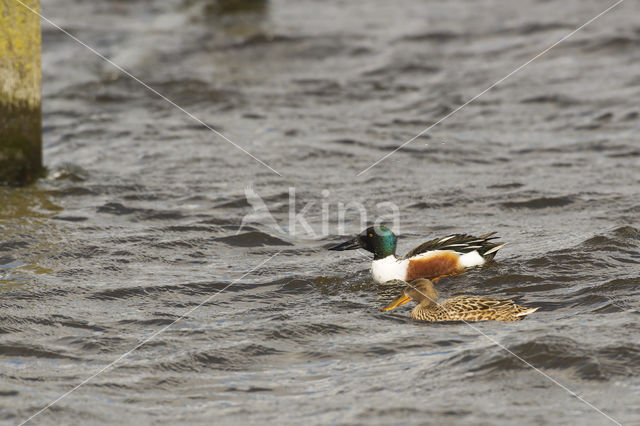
point(370, 235)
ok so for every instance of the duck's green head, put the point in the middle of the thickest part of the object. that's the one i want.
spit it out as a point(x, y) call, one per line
point(379, 240)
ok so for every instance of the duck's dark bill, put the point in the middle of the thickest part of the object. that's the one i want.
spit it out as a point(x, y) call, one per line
point(398, 301)
point(348, 245)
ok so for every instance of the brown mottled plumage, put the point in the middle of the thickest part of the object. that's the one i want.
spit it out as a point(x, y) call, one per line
point(460, 308)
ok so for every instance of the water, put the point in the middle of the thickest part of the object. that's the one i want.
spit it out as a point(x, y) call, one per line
point(138, 220)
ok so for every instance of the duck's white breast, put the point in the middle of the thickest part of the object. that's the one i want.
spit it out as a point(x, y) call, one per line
point(388, 269)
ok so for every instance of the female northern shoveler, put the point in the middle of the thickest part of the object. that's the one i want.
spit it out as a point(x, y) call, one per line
point(433, 259)
point(461, 308)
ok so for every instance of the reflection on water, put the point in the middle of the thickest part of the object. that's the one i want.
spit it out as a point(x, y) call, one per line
point(27, 238)
point(18, 205)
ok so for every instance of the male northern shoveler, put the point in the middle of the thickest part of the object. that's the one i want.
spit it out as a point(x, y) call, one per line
point(460, 308)
point(433, 259)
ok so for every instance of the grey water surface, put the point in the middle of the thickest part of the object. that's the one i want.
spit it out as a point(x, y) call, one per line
point(145, 215)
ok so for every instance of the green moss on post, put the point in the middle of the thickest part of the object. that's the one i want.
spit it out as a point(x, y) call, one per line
point(20, 93)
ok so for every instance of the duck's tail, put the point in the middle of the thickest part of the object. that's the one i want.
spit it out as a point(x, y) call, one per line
point(489, 250)
point(527, 312)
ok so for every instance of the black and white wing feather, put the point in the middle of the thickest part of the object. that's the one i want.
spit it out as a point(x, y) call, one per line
point(461, 243)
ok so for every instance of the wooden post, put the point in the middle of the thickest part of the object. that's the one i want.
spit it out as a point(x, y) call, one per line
point(20, 93)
